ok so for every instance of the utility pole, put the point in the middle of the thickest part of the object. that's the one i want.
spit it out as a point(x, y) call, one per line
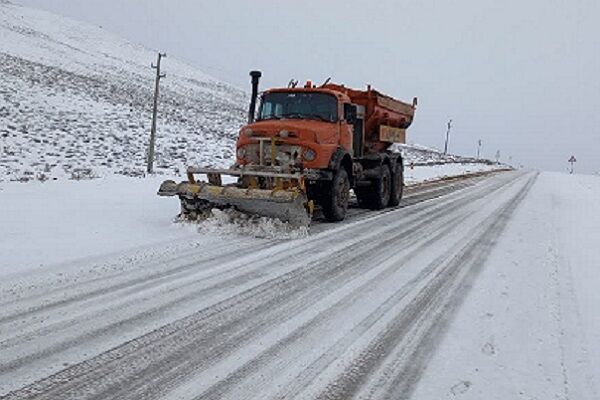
point(478, 148)
point(447, 136)
point(159, 76)
point(497, 156)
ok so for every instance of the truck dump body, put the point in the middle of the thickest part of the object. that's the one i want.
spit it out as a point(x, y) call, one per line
point(381, 112)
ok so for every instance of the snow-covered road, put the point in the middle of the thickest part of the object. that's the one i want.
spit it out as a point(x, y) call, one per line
point(531, 326)
point(353, 310)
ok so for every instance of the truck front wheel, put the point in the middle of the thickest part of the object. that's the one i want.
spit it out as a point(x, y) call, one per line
point(335, 202)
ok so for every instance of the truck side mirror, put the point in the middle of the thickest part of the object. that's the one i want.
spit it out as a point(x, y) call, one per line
point(350, 113)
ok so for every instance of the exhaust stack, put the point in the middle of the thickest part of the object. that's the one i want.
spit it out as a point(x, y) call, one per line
point(255, 79)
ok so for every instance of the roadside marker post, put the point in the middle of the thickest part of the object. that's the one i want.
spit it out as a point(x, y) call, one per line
point(572, 160)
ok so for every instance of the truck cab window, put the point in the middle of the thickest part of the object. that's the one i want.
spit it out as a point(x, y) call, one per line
point(295, 105)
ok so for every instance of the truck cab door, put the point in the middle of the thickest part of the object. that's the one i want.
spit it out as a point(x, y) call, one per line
point(351, 116)
point(358, 138)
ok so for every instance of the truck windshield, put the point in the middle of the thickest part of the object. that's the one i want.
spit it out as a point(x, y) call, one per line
point(300, 105)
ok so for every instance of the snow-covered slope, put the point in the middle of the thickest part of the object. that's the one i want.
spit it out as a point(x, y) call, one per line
point(75, 96)
point(75, 101)
point(419, 154)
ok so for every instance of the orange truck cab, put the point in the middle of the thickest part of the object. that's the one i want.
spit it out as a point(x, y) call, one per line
point(337, 138)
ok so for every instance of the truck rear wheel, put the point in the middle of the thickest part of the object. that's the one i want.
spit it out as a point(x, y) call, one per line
point(335, 202)
point(377, 195)
point(397, 185)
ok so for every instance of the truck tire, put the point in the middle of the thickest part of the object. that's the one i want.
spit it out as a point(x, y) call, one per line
point(335, 202)
point(397, 187)
point(377, 195)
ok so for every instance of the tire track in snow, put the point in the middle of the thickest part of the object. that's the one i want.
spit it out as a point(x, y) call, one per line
point(141, 315)
point(413, 194)
point(87, 290)
point(295, 386)
point(291, 278)
point(441, 228)
point(437, 304)
point(133, 286)
point(244, 313)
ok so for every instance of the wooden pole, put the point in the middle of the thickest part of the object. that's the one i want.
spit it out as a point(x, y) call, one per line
point(159, 76)
point(447, 137)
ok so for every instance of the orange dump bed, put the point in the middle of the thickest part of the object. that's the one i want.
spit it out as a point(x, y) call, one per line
point(385, 117)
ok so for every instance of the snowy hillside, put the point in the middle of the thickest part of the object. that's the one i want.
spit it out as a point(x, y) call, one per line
point(76, 102)
point(74, 96)
point(419, 154)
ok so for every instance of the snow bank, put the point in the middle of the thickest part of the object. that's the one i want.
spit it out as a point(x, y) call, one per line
point(230, 222)
point(419, 174)
point(53, 222)
point(418, 153)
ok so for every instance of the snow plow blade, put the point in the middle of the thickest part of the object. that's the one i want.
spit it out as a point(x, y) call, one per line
point(199, 198)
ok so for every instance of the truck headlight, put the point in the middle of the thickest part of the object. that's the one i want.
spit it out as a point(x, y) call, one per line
point(309, 155)
point(241, 153)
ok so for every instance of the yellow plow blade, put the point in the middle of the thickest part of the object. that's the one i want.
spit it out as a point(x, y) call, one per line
point(290, 206)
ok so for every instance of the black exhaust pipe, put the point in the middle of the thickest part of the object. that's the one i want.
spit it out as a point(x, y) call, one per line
point(255, 78)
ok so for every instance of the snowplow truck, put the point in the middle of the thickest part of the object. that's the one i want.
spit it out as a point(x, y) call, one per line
point(305, 148)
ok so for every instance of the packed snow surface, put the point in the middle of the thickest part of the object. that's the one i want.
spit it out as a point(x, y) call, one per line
point(479, 288)
point(43, 223)
point(66, 220)
point(530, 329)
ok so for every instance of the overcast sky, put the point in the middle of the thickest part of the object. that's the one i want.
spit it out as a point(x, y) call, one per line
point(521, 75)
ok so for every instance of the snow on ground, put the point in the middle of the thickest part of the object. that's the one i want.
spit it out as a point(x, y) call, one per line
point(419, 153)
point(53, 320)
point(530, 329)
point(527, 329)
point(417, 174)
point(44, 223)
point(232, 222)
point(58, 221)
